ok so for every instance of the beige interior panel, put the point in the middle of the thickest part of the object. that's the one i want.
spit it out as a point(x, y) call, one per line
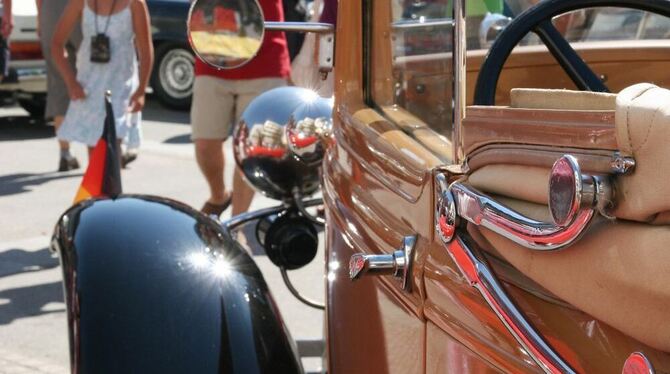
point(537, 98)
point(617, 273)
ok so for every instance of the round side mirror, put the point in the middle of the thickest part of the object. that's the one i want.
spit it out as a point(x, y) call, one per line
point(226, 33)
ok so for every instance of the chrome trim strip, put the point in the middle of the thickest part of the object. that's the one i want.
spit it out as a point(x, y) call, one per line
point(421, 24)
point(458, 91)
point(481, 210)
point(445, 210)
point(315, 27)
point(482, 278)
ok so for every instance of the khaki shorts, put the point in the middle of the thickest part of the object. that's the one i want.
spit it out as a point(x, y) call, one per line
point(218, 103)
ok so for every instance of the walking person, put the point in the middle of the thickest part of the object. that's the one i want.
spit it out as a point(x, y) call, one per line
point(112, 32)
point(48, 14)
point(220, 97)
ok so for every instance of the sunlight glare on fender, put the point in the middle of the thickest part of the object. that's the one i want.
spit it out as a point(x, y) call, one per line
point(203, 262)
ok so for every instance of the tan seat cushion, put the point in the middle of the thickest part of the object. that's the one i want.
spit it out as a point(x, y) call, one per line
point(537, 98)
point(643, 132)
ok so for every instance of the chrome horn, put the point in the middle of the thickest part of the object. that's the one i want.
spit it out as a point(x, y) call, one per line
point(574, 198)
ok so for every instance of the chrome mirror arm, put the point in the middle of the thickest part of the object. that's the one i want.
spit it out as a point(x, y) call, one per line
point(314, 27)
point(326, 40)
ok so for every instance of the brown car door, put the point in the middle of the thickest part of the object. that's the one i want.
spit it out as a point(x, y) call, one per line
point(377, 190)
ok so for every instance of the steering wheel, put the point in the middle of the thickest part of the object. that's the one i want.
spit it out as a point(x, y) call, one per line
point(538, 20)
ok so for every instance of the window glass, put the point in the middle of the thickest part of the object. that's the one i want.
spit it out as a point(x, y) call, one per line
point(410, 66)
point(584, 25)
point(411, 61)
point(603, 24)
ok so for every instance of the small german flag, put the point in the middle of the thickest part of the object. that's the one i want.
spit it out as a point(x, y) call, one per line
point(103, 174)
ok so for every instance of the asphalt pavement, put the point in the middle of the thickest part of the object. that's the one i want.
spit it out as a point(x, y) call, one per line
point(33, 335)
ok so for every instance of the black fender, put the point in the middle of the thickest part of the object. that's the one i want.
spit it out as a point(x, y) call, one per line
point(153, 286)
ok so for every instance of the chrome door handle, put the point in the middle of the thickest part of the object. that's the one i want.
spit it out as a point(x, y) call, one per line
point(399, 263)
point(574, 198)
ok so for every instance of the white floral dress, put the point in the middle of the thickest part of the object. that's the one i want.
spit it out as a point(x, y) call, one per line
point(84, 119)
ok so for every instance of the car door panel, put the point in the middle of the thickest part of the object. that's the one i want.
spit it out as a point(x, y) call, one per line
point(373, 202)
point(459, 310)
point(444, 354)
point(367, 321)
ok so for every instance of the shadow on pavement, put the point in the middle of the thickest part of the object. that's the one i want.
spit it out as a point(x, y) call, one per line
point(15, 261)
point(23, 128)
point(11, 184)
point(179, 139)
point(29, 301)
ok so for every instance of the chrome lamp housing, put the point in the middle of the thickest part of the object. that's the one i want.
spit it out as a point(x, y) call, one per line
point(279, 141)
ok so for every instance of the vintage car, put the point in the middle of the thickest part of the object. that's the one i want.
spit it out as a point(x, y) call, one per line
point(500, 210)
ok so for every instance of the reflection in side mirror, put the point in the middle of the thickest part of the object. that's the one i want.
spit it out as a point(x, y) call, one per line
point(226, 33)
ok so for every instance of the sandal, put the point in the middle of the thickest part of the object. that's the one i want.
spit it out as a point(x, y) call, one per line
point(67, 164)
point(127, 158)
point(212, 209)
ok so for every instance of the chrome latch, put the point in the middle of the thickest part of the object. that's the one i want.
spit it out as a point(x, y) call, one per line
point(399, 263)
point(574, 199)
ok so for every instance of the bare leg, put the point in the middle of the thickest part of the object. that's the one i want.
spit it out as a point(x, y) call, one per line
point(119, 151)
point(242, 194)
point(210, 158)
point(64, 145)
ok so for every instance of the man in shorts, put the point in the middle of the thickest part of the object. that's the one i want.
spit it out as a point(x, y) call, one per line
point(48, 14)
point(220, 97)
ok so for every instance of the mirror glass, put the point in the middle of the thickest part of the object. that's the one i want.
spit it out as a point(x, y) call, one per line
point(225, 33)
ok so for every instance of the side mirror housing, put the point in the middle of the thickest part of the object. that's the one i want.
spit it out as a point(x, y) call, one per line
point(229, 33)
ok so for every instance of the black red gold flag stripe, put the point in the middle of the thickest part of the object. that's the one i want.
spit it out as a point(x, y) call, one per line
point(103, 174)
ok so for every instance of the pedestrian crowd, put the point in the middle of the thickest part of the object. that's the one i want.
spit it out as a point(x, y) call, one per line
point(96, 46)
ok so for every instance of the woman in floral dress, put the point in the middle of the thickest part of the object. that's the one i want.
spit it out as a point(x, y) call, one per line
point(116, 39)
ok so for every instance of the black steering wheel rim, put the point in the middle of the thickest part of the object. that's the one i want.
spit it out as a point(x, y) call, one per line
point(538, 19)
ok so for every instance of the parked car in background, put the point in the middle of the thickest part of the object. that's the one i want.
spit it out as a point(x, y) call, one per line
point(173, 74)
point(26, 81)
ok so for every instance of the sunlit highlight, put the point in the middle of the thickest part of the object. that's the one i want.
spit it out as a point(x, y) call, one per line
point(198, 260)
point(221, 268)
point(207, 263)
